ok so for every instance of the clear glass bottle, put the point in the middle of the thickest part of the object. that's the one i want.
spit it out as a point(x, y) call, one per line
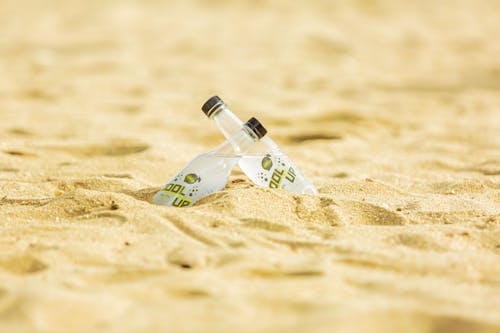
point(209, 172)
point(265, 164)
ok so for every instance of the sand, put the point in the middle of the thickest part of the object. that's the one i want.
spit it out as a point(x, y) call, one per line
point(392, 108)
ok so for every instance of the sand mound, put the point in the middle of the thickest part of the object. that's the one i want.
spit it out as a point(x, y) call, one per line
point(390, 107)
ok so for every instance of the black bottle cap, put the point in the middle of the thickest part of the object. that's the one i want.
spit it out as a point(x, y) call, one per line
point(256, 127)
point(211, 105)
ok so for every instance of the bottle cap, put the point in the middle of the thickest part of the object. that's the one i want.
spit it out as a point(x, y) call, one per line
point(255, 126)
point(211, 105)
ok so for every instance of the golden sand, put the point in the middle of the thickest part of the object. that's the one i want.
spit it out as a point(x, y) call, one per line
point(392, 108)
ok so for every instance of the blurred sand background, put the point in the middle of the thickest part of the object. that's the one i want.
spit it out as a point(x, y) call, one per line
point(392, 108)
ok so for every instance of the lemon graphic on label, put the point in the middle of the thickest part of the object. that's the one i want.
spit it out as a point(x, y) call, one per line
point(267, 163)
point(192, 178)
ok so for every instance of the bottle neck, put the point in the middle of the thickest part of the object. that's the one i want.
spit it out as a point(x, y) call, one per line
point(239, 143)
point(228, 123)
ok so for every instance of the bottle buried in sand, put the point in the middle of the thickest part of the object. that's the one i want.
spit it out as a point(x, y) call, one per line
point(209, 172)
point(265, 164)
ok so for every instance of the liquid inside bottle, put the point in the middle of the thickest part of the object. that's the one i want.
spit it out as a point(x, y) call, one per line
point(209, 172)
point(264, 163)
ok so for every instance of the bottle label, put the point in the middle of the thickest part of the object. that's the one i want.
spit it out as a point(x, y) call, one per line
point(276, 173)
point(183, 194)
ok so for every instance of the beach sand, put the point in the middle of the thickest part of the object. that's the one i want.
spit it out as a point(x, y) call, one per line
point(391, 108)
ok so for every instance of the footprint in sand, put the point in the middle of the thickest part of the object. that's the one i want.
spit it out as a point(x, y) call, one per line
point(145, 194)
point(186, 257)
point(322, 46)
point(113, 148)
point(11, 306)
point(256, 223)
point(286, 270)
point(415, 241)
point(197, 234)
point(122, 274)
point(8, 169)
point(103, 184)
point(39, 94)
point(283, 274)
point(356, 212)
point(85, 204)
point(117, 183)
point(487, 168)
point(20, 131)
point(22, 264)
point(119, 218)
point(19, 153)
point(320, 211)
point(299, 138)
point(190, 293)
point(334, 125)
